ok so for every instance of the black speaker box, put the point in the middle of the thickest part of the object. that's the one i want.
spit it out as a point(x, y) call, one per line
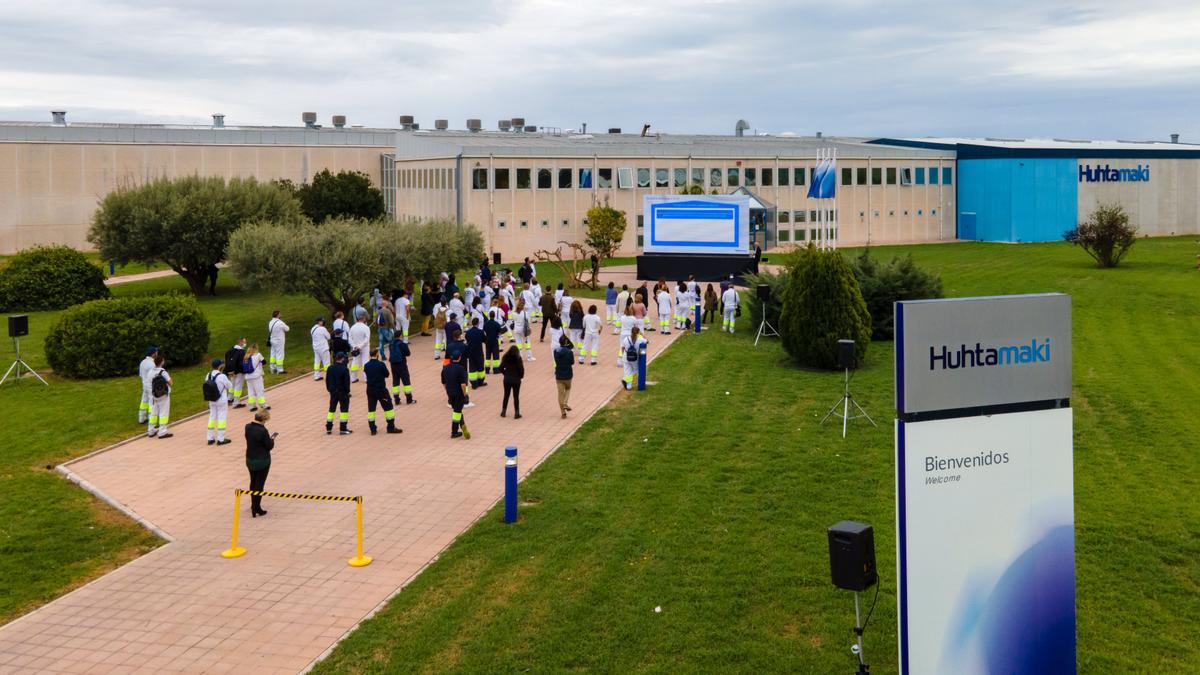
point(845, 354)
point(18, 325)
point(852, 556)
point(763, 291)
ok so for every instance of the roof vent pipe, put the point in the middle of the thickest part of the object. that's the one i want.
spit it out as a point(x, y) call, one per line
point(218, 120)
point(441, 125)
point(1174, 138)
point(818, 134)
point(584, 129)
point(645, 129)
point(339, 121)
point(310, 119)
point(474, 124)
point(59, 117)
point(740, 128)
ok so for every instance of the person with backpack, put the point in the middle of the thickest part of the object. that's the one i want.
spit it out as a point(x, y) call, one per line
point(320, 344)
point(337, 383)
point(398, 353)
point(376, 375)
point(521, 325)
point(575, 326)
point(547, 310)
point(564, 358)
point(454, 379)
point(440, 317)
point(340, 323)
point(631, 346)
point(592, 325)
point(144, 369)
point(277, 334)
point(385, 323)
point(233, 370)
point(628, 323)
point(252, 367)
point(216, 389)
point(159, 383)
point(513, 369)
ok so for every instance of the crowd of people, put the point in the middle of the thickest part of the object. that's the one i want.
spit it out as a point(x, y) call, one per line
point(470, 325)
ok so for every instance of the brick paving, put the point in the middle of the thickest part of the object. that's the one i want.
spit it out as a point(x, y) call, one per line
point(183, 608)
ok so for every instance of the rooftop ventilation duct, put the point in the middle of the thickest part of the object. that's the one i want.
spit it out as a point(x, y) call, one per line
point(441, 125)
point(518, 123)
point(504, 125)
point(58, 117)
point(1174, 138)
point(339, 121)
point(530, 128)
point(474, 124)
point(218, 120)
point(310, 119)
point(741, 128)
point(614, 130)
point(406, 122)
point(818, 134)
point(645, 129)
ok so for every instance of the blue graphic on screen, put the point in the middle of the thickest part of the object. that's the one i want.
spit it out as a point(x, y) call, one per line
point(692, 211)
point(1026, 623)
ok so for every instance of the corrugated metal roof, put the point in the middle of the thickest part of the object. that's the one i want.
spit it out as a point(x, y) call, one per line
point(176, 134)
point(1046, 143)
point(424, 144)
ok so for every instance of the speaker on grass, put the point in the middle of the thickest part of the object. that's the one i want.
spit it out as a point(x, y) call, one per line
point(852, 556)
point(845, 354)
point(18, 325)
point(763, 291)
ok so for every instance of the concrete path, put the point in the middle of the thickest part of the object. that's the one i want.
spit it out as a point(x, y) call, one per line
point(143, 276)
point(183, 608)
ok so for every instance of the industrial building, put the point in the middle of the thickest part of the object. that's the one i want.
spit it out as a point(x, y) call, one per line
point(529, 187)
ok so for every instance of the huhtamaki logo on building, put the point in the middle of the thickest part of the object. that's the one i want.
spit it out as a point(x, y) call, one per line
point(1107, 174)
point(979, 356)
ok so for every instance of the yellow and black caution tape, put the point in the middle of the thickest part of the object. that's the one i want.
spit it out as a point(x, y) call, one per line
point(297, 495)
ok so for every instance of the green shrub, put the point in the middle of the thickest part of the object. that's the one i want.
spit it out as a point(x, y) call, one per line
point(821, 305)
point(778, 282)
point(49, 277)
point(1106, 235)
point(107, 338)
point(882, 284)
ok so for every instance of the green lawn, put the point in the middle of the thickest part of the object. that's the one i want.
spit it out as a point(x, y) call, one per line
point(709, 495)
point(53, 535)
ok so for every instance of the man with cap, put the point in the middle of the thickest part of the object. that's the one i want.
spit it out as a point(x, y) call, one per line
point(217, 383)
point(454, 378)
point(376, 375)
point(144, 368)
point(233, 369)
point(320, 344)
point(337, 383)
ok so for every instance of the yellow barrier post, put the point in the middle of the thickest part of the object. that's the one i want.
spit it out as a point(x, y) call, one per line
point(359, 560)
point(235, 551)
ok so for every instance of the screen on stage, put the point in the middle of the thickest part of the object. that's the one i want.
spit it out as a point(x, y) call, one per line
point(702, 224)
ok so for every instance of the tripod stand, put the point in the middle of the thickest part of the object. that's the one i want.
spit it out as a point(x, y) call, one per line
point(857, 647)
point(844, 403)
point(19, 364)
point(765, 329)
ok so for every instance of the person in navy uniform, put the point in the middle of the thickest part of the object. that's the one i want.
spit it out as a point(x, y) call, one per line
point(454, 378)
point(475, 337)
point(491, 344)
point(376, 374)
point(398, 353)
point(337, 383)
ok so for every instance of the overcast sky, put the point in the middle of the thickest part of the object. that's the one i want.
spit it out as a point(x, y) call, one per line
point(1128, 70)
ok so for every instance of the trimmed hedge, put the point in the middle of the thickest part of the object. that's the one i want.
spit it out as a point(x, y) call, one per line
point(823, 304)
point(107, 338)
point(49, 277)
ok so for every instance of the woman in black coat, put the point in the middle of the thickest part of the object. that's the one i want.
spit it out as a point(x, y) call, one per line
point(513, 369)
point(259, 443)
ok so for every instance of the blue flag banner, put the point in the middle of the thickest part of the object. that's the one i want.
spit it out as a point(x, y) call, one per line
point(814, 188)
point(824, 182)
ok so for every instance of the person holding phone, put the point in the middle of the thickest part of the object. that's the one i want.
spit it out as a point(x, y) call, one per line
point(259, 443)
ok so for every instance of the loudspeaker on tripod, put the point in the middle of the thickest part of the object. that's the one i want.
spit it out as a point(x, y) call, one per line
point(852, 555)
point(763, 291)
point(845, 354)
point(18, 325)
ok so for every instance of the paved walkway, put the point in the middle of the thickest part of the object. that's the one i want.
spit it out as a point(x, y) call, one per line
point(129, 278)
point(183, 608)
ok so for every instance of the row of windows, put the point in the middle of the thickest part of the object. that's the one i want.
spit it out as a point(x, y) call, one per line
point(807, 235)
point(628, 178)
point(524, 224)
point(811, 216)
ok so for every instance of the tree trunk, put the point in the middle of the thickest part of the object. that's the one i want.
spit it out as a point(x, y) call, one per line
point(197, 281)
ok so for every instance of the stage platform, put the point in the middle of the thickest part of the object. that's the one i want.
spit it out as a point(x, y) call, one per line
point(677, 266)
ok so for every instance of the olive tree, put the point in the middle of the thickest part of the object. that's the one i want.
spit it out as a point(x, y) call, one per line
point(339, 261)
point(605, 230)
point(184, 222)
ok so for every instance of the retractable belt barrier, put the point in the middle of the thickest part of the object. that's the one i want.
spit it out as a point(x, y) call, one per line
point(236, 551)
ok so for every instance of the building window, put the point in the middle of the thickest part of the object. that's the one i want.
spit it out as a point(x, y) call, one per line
point(680, 177)
point(501, 179)
point(800, 216)
point(891, 213)
point(783, 235)
point(524, 224)
point(906, 177)
point(624, 178)
point(783, 216)
point(933, 175)
point(585, 179)
point(831, 215)
point(733, 176)
point(784, 175)
point(933, 212)
point(641, 241)
point(698, 177)
point(876, 176)
point(566, 222)
point(564, 179)
point(876, 214)
point(661, 177)
point(479, 179)
point(524, 177)
point(641, 221)
point(768, 177)
point(847, 176)
point(919, 212)
point(643, 178)
point(798, 174)
point(545, 223)
point(501, 224)
point(604, 178)
point(860, 175)
point(714, 178)
point(946, 175)
point(585, 222)
point(751, 177)
point(812, 216)
point(920, 175)
point(545, 182)
point(906, 212)
point(891, 175)
point(801, 235)
point(812, 234)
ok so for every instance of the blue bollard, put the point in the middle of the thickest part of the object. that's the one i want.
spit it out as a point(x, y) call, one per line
point(642, 366)
point(510, 484)
point(696, 322)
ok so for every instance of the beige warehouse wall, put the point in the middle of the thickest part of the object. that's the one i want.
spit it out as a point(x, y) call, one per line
point(1168, 204)
point(48, 191)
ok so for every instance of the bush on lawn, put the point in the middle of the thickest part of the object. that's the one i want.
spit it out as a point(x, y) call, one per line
point(778, 282)
point(882, 284)
point(1106, 235)
point(49, 277)
point(106, 338)
point(821, 305)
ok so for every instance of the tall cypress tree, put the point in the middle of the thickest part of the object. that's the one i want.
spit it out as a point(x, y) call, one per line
point(821, 305)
